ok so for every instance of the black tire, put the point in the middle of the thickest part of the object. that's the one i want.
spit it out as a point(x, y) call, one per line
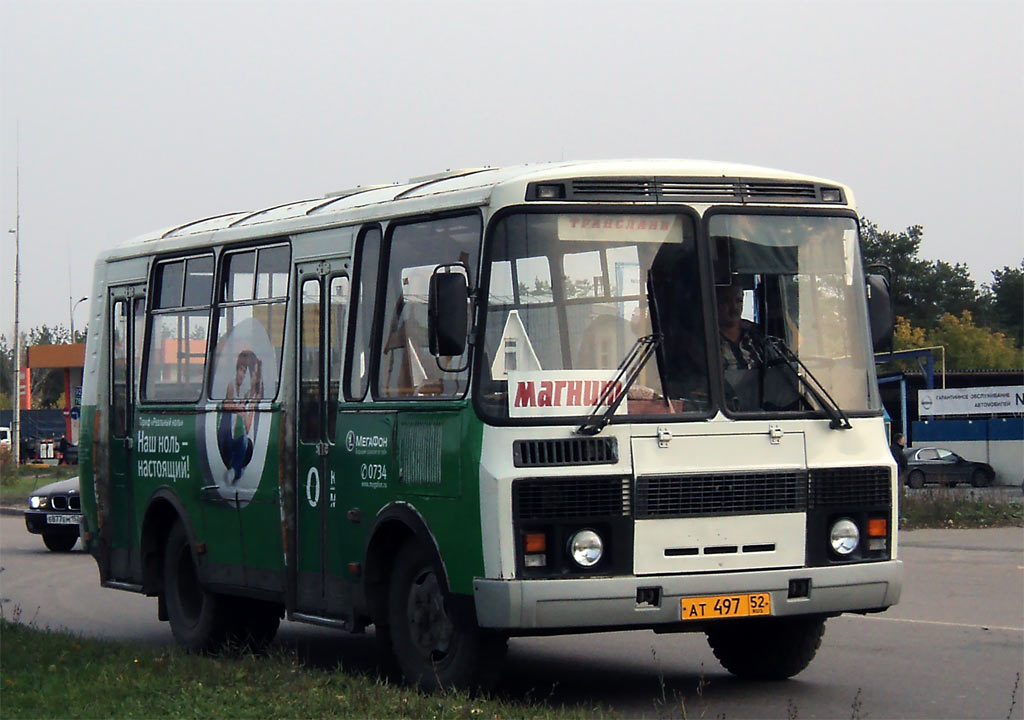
point(980, 478)
point(254, 623)
point(59, 542)
point(200, 620)
point(436, 641)
point(766, 649)
point(916, 479)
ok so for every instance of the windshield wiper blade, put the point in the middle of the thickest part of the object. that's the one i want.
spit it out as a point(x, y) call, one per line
point(817, 389)
point(629, 368)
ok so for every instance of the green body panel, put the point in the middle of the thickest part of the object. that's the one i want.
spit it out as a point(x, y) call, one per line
point(87, 468)
point(310, 468)
point(239, 526)
point(438, 476)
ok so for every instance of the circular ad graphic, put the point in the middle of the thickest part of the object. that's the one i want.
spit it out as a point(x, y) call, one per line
point(233, 438)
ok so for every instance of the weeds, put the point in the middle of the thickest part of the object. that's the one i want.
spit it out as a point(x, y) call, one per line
point(1013, 697)
point(942, 509)
point(42, 670)
point(856, 706)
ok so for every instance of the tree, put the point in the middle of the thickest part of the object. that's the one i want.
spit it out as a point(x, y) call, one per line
point(968, 346)
point(1003, 302)
point(971, 347)
point(47, 384)
point(6, 374)
point(923, 291)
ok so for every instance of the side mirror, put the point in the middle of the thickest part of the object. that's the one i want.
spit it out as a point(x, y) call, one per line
point(880, 312)
point(448, 312)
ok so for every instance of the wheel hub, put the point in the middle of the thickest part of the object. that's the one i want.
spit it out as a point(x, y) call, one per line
point(429, 625)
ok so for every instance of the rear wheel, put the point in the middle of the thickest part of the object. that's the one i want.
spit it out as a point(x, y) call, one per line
point(767, 649)
point(200, 619)
point(437, 643)
point(59, 542)
point(916, 479)
point(979, 478)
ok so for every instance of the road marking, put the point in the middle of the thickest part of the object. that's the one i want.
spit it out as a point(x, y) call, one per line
point(938, 622)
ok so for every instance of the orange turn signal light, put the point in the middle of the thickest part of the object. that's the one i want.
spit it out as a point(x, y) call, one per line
point(536, 542)
point(878, 527)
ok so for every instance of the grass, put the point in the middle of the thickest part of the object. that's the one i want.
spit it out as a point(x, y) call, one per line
point(50, 674)
point(940, 508)
point(16, 486)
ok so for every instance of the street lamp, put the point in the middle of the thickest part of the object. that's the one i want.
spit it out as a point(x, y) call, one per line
point(16, 416)
point(71, 314)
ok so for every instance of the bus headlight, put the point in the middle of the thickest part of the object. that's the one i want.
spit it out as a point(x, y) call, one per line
point(844, 536)
point(586, 548)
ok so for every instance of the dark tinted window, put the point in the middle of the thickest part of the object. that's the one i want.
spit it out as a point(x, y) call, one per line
point(169, 276)
point(199, 281)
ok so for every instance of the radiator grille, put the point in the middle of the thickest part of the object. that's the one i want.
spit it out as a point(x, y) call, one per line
point(851, 486)
point(565, 451)
point(721, 494)
point(713, 189)
point(571, 498)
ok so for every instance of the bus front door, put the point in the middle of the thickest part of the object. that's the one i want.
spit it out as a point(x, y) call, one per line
point(320, 520)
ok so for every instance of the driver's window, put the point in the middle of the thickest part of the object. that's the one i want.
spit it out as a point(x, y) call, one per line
point(928, 455)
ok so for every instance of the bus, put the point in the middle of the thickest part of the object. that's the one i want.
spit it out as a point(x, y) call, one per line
point(499, 402)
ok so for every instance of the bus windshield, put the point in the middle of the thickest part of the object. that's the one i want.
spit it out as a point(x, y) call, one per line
point(570, 295)
point(791, 314)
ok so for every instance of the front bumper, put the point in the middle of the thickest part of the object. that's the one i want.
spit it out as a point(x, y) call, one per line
point(36, 522)
point(580, 604)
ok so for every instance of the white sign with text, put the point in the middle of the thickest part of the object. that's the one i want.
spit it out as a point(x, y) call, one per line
point(971, 401)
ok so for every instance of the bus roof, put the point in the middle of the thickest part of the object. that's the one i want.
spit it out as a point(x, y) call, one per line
point(452, 188)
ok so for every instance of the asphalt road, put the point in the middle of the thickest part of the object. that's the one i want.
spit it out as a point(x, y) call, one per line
point(953, 648)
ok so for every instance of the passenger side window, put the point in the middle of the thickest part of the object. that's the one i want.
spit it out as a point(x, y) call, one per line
point(251, 309)
point(175, 361)
point(364, 295)
point(407, 368)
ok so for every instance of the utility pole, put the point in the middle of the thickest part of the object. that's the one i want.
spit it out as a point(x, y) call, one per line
point(16, 421)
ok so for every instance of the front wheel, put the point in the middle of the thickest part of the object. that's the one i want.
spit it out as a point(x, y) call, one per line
point(766, 649)
point(916, 480)
point(59, 542)
point(437, 643)
point(199, 618)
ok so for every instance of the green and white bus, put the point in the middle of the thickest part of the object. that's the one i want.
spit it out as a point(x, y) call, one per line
point(543, 399)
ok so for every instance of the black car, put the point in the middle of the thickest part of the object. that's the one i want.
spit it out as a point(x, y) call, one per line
point(54, 511)
point(945, 467)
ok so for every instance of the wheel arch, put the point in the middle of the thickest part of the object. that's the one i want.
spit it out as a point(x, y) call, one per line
point(395, 524)
point(163, 510)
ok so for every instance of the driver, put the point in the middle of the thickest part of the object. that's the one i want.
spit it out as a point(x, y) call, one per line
point(737, 337)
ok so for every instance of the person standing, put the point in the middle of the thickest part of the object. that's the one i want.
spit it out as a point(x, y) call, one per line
point(898, 446)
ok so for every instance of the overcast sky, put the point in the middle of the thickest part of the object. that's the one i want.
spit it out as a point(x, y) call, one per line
point(139, 115)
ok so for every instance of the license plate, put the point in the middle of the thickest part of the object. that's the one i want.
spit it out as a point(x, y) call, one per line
point(726, 606)
point(57, 519)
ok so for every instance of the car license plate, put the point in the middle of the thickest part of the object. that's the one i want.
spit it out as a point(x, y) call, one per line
point(58, 519)
point(726, 606)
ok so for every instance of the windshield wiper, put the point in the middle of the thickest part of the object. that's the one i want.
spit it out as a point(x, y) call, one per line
point(629, 368)
point(838, 418)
